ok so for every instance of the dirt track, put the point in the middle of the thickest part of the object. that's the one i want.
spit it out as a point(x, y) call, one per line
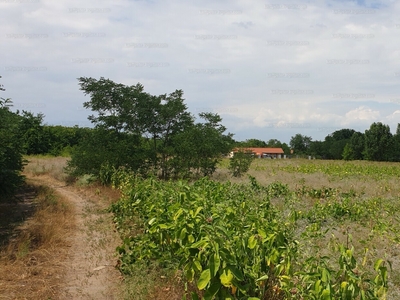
point(90, 271)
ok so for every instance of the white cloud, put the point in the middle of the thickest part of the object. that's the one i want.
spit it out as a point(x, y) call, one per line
point(361, 114)
point(222, 54)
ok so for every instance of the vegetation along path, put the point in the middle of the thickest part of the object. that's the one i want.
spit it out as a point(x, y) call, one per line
point(90, 271)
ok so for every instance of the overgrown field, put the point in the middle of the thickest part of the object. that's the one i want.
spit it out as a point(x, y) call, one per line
point(293, 229)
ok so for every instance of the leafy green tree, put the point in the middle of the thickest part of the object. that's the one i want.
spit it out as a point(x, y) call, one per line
point(36, 139)
point(335, 143)
point(396, 145)
point(274, 143)
point(355, 147)
point(64, 139)
point(348, 152)
point(11, 162)
point(169, 142)
point(201, 146)
point(240, 163)
point(378, 142)
point(318, 149)
point(130, 109)
point(300, 143)
point(102, 146)
point(252, 143)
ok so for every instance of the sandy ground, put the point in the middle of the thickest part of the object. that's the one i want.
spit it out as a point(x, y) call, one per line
point(90, 271)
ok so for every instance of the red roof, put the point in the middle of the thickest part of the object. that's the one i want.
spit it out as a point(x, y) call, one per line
point(259, 151)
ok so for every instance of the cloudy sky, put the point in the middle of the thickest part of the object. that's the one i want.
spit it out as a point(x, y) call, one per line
point(271, 69)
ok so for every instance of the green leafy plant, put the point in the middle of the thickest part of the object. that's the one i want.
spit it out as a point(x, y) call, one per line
point(240, 163)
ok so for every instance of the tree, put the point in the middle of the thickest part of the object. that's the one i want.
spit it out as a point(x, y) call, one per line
point(300, 143)
point(165, 133)
point(101, 146)
point(11, 162)
point(355, 147)
point(251, 143)
point(240, 163)
point(378, 142)
point(131, 110)
point(317, 149)
point(36, 139)
point(274, 143)
point(335, 143)
point(396, 145)
point(201, 146)
point(348, 152)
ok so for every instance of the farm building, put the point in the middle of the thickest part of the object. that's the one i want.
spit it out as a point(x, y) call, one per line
point(262, 152)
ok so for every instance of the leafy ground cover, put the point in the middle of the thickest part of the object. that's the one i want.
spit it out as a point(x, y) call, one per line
point(293, 229)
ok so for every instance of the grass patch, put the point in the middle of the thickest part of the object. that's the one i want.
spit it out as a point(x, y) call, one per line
point(47, 165)
point(30, 259)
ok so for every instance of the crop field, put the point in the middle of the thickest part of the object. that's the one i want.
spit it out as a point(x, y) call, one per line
point(289, 229)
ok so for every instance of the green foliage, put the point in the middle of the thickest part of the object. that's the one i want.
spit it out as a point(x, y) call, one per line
point(222, 242)
point(230, 242)
point(355, 147)
point(348, 152)
point(378, 142)
point(319, 280)
point(11, 162)
point(300, 144)
point(168, 142)
point(335, 143)
point(199, 148)
point(101, 148)
point(252, 143)
point(240, 163)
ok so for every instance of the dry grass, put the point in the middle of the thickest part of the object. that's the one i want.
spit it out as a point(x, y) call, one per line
point(43, 165)
point(267, 171)
point(31, 261)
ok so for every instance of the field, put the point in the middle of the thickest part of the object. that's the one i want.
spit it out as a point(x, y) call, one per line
point(289, 229)
point(299, 229)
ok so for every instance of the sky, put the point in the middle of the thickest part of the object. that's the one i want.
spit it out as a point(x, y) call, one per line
point(270, 69)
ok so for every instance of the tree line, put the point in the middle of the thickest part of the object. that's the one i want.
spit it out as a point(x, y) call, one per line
point(156, 135)
point(376, 144)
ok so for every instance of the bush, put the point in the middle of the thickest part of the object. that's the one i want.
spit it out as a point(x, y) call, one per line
point(240, 163)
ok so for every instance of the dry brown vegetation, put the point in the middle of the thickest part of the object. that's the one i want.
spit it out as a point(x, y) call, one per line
point(52, 245)
point(50, 166)
point(31, 262)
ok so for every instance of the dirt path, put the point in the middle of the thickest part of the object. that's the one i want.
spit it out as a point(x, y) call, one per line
point(90, 268)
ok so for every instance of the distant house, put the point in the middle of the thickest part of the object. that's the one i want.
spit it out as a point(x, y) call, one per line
point(262, 152)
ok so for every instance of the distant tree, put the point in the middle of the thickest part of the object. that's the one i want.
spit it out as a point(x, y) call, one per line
point(36, 139)
point(300, 143)
point(252, 143)
point(286, 148)
point(348, 153)
point(335, 143)
point(378, 142)
point(355, 147)
point(396, 145)
point(240, 163)
point(274, 143)
point(317, 149)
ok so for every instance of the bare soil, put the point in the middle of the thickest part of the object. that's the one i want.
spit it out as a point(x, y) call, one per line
point(90, 271)
point(81, 264)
